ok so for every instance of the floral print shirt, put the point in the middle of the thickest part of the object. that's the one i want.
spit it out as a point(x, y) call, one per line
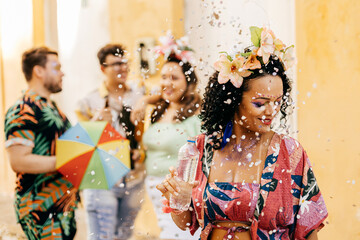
point(44, 203)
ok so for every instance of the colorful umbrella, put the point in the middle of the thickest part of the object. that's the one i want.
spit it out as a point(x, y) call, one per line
point(93, 155)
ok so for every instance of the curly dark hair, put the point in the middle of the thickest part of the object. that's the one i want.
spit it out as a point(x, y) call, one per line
point(221, 101)
point(190, 100)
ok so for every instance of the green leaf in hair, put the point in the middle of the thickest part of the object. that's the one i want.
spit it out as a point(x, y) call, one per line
point(247, 54)
point(255, 35)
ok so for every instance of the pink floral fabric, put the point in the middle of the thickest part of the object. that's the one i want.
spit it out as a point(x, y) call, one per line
point(289, 204)
point(230, 201)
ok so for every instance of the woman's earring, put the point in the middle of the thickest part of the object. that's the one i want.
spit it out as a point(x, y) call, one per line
point(227, 134)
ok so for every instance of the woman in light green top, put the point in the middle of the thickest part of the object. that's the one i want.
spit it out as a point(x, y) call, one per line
point(173, 120)
point(163, 141)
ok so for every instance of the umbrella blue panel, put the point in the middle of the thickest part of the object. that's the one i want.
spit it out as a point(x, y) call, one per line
point(77, 134)
point(114, 169)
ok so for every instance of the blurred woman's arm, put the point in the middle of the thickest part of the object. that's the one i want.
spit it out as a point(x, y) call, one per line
point(138, 112)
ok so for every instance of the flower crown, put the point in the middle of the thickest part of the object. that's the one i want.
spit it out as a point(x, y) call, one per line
point(179, 47)
point(240, 66)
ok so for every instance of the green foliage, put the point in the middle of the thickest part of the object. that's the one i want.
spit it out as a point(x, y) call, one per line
point(186, 48)
point(10, 116)
point(284, 50)
point(247, 54)
point(228, 56)
point(41, 144)
point(255, 35)
point(52, 117)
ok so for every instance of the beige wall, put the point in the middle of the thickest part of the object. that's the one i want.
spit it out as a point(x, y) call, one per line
point(134, 19)
point(13, 43)
point(38, 22)
point(30, 19)
point(328, 52)
point(4, 169)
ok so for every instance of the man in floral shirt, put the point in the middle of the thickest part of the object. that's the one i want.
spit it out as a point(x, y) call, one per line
point(45, 201)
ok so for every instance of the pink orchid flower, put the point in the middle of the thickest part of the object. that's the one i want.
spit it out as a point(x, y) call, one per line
point(288, 58)
point(267, 46)
point(186, 56)
point(179, 47)
point(279, 45)
point(183, 41)
point(231, 70)
point(168, 45)
point(167, 40)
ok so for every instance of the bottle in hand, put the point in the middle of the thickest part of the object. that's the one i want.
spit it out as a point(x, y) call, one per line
point(187, 163)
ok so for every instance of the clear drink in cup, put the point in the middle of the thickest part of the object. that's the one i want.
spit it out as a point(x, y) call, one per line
point(187, 163)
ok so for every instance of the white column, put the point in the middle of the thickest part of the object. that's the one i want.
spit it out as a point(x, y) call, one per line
point(16, 36)
point(82, 30)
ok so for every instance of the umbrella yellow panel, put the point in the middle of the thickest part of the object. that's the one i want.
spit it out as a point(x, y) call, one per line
point(119, 149)
point(67, 150)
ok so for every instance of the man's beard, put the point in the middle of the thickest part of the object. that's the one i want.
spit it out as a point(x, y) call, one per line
point(53, 87)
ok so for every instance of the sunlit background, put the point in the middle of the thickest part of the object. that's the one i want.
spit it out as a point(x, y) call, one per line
point(326, 78)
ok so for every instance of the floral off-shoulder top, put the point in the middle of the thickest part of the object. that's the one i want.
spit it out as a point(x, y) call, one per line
point(289, 204)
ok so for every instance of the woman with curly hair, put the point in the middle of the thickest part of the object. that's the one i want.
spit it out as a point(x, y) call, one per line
point(173, 120)
point(251, 183)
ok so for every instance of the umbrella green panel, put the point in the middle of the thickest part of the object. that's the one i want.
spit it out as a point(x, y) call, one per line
point(94, 176)
point(94, 129)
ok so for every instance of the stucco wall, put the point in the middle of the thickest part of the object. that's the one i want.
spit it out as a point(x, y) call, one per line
point(328, 49)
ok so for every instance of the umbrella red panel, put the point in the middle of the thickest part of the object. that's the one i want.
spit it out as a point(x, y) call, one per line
point(77, 166)
point(109, 134)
